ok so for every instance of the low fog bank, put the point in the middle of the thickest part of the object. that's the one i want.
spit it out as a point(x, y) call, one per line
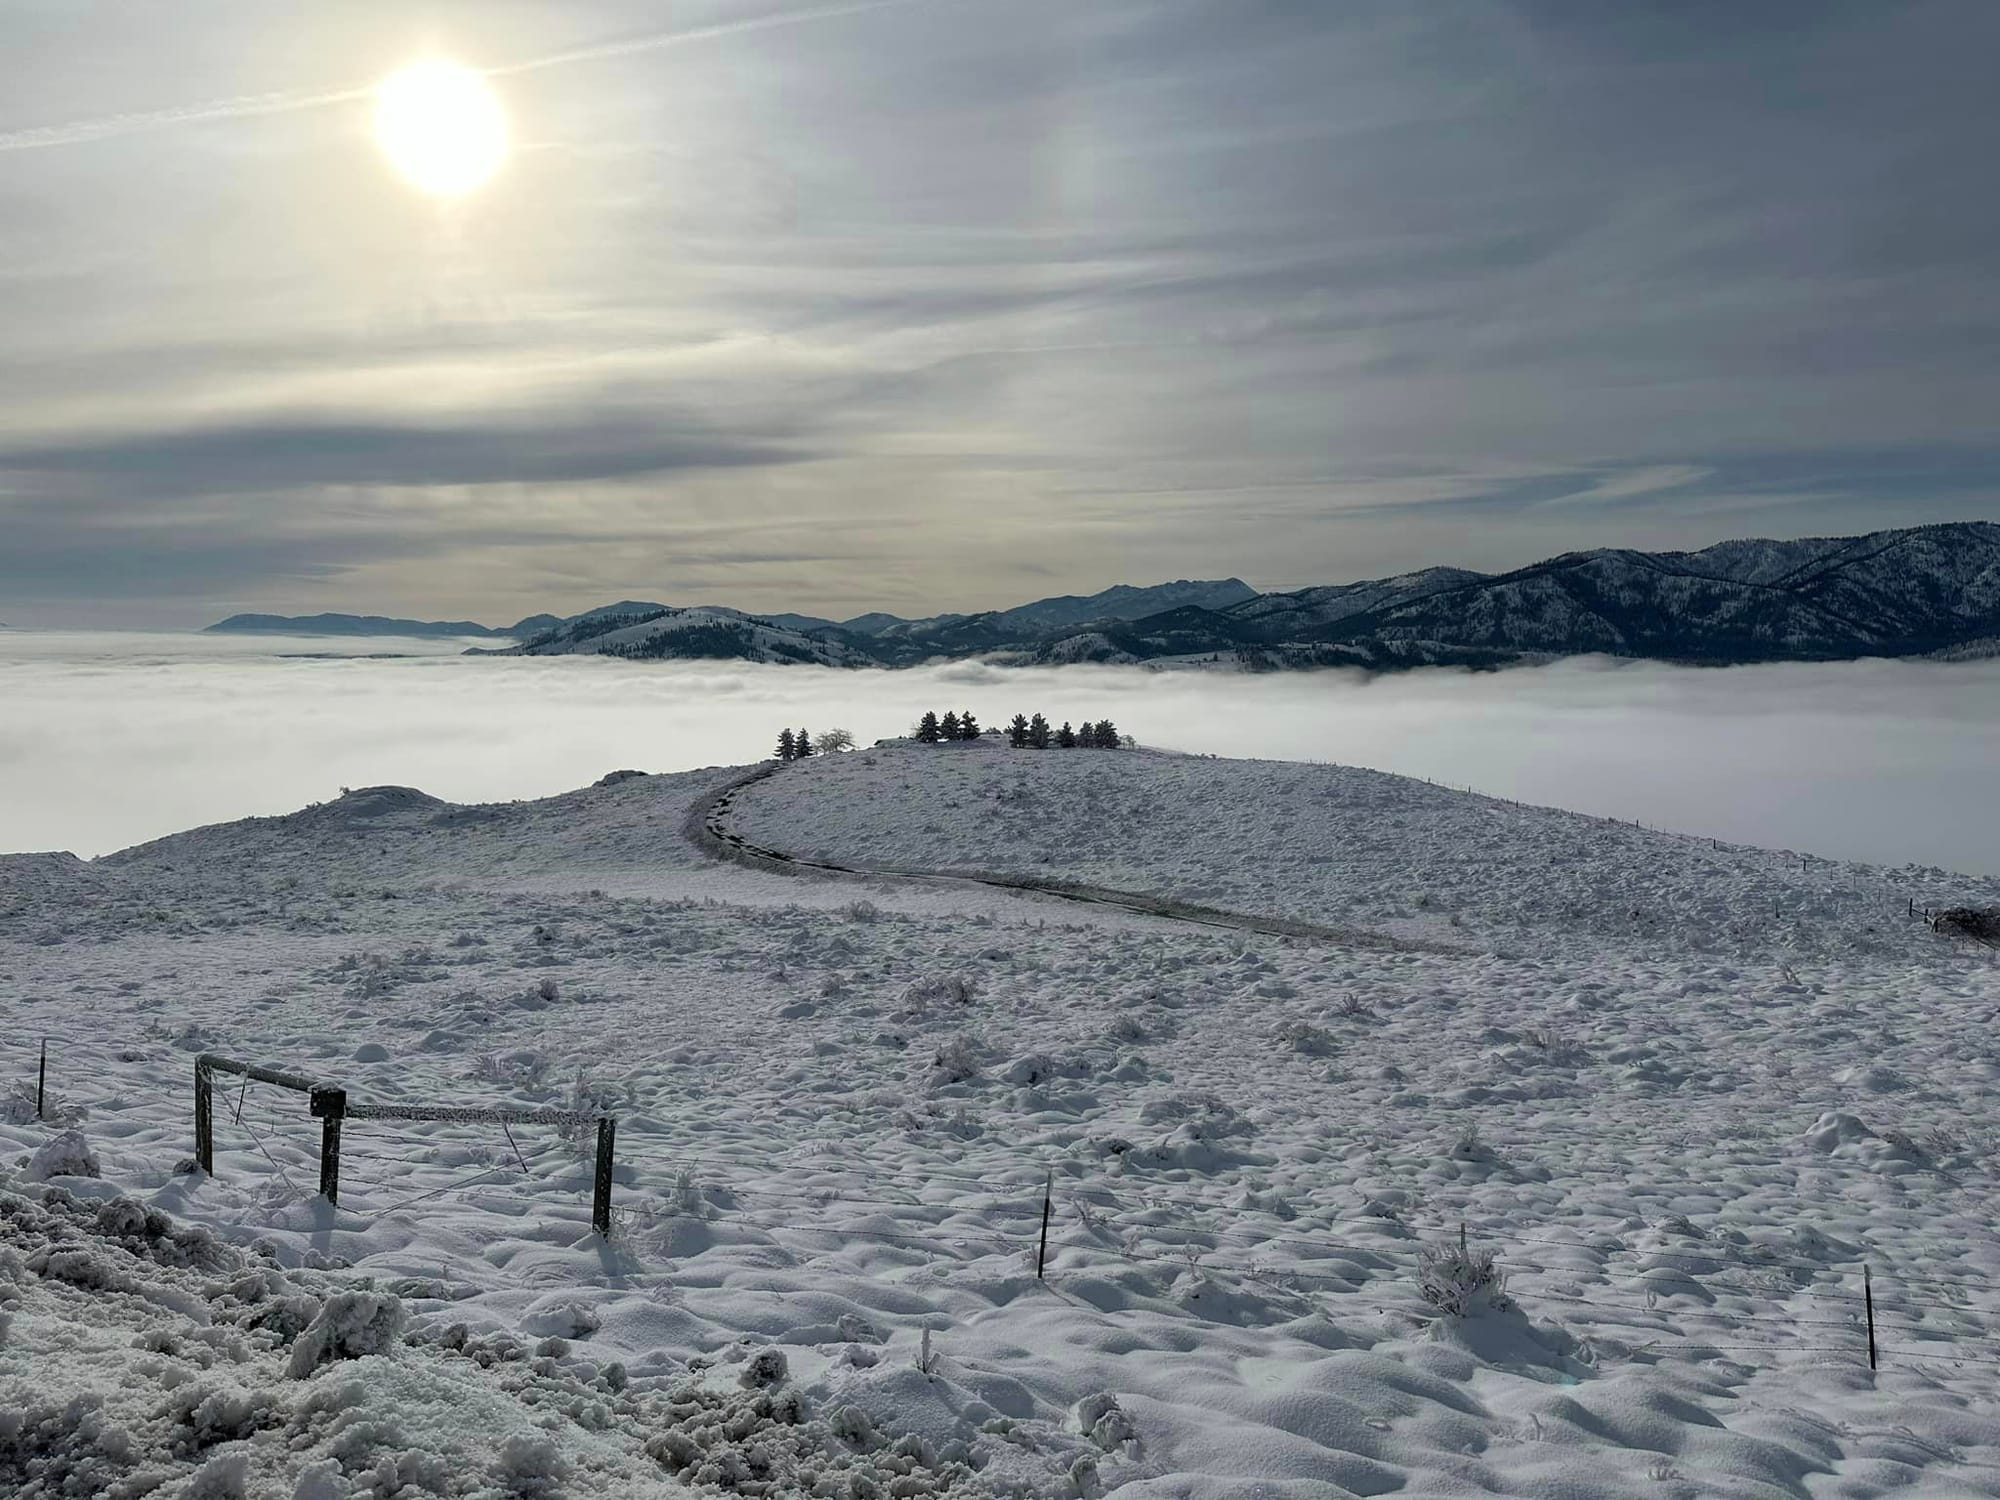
point(107, 740)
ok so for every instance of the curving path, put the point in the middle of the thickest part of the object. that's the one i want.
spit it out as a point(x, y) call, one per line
point(708, 826)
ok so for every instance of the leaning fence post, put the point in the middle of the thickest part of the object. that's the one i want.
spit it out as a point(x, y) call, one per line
point(1868, 1297)
point(204, 1119)
point(331, 1106)
point(600, 1201)
point(42, 1080)
point(1048, 1201)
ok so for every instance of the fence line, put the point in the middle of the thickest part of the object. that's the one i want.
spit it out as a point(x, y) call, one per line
point(331, 1105)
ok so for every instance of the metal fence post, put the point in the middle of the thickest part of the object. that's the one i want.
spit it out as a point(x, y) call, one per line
point(1868, 1293)
point(1048, 1204)
point(331, 1106)
point(600, 1202)
point(204, 1119)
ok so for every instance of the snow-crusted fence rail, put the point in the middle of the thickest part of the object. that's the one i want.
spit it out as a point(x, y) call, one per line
point(329, 1104)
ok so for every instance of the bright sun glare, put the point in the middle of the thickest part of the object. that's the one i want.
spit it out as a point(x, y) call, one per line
point(442, 126)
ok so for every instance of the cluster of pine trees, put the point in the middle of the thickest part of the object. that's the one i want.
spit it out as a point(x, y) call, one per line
point(1024, 733)
point(799, 745)
point(1035, 734)
point(931, 729)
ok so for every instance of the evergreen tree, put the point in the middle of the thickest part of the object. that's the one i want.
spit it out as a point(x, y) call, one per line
point(928, 731)
point(1107, 735)
point(948, 726)
point(802, 744)
point(1017, 732)
point(968, 727)
point(1065, 737)
point(1086, 737)
point(787, 746)
point(1038, 732)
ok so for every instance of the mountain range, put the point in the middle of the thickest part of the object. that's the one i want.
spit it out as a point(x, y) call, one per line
point(1918, 591)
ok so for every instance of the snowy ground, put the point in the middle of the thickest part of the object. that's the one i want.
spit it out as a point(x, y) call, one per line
point(1682, 1131)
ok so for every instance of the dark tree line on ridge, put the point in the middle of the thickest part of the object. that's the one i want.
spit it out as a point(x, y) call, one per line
point(1023, 733)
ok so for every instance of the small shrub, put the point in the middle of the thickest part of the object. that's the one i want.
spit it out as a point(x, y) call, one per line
point(1980, 923)
point(1940, 1141)
point(1459, 1281)
point(956, 1060)
point(940, 989)
point(1307, 1039)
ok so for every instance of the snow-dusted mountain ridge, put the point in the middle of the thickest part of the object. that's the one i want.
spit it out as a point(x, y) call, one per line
point(1918, 591)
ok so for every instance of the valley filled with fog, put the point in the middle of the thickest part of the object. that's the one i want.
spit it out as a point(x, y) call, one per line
point(110, 739)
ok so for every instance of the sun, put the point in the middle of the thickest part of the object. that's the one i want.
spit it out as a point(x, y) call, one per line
point(441, 125)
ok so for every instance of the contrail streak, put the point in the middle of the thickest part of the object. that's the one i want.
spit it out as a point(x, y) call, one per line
point(248, 106)
point(76, 132)
point(656, 40)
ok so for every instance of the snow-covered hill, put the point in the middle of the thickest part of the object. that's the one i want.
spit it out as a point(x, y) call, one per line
point(658, 633)
point(1340, 846)
point(840, 1101)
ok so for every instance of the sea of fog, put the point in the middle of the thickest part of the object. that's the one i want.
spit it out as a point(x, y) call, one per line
point(110, 739)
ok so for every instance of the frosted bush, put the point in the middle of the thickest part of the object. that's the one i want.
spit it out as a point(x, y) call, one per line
point(530, 1464)
point(517, 1067)
point(65, 1155)
point(939, 989)
point(590, 1099)
point(204, 1416)
point(1128, 1030)
point(348, 1326)
point(956, 1061)
point(1029, 1069)
point(862, 911)
point(1307, 1039)
point(1101, 1419)
point(1460, 1281)
point(765, 1368)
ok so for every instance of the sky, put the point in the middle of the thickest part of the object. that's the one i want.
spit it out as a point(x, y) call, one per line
point(930, 305)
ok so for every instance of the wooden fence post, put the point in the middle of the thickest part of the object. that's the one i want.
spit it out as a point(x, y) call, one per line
point(600, 1200)
point(42, 1081)
point(204, 1119)
point(331, 1107)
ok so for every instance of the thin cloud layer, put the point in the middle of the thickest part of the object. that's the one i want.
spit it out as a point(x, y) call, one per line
point(978, 301)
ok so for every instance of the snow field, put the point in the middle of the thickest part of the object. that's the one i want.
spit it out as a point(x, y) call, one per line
point(838, 1102)
point(1339, 846)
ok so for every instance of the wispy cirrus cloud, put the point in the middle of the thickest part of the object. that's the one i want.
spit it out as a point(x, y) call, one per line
point(1005, 298)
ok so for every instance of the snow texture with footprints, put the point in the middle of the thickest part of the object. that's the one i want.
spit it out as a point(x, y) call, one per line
point(1680, 1094)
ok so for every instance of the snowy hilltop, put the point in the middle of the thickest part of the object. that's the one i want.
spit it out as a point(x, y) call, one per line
point(997, 1122)
point(1920, 591)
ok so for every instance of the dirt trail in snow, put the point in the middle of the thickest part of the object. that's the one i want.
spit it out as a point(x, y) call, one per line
point(708, 827)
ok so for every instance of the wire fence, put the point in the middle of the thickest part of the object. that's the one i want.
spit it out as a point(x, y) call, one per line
point(1657, 1296)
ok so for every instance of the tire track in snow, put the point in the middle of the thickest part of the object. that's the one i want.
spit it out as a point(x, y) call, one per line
point(708, 827)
